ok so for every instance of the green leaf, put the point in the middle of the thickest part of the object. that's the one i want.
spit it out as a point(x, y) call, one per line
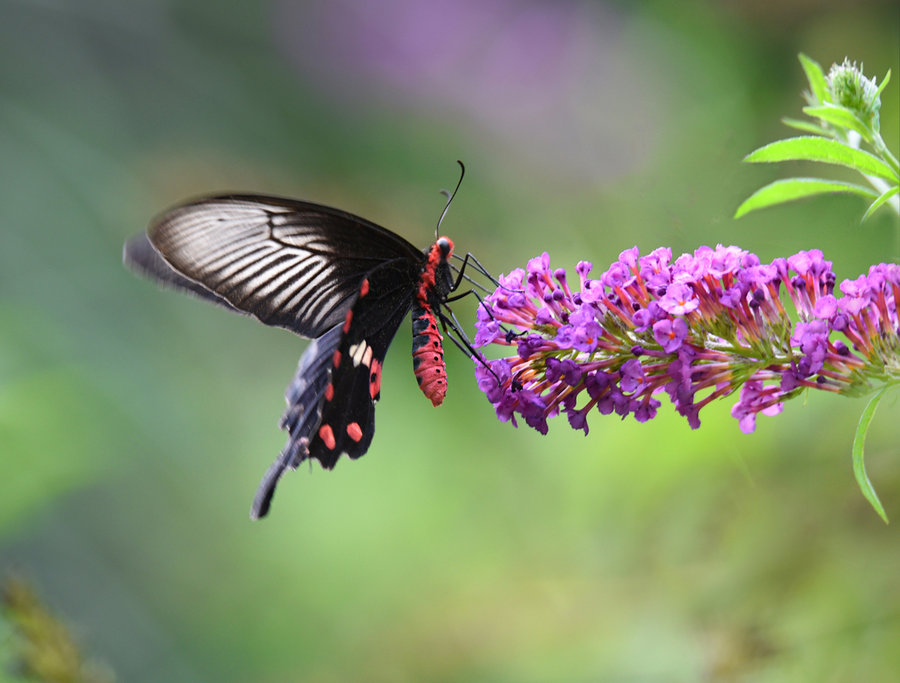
point(806, 126)
point(814, 74)
point(859, 465)
point(884, 82)
point(814, 148)
point(841, 117)
point(874, 206)
point(790, 189)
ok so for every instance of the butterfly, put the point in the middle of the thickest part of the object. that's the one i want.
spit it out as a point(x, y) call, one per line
point(325, 274)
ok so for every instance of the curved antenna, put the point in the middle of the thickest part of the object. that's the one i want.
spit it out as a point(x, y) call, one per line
point(450, 196)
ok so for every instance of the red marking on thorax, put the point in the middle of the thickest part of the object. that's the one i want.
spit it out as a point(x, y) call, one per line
point(435, 258)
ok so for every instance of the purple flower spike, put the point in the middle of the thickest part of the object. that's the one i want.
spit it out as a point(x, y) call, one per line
point(699, 327)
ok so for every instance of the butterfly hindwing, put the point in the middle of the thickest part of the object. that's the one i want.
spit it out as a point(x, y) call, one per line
point(289, 263)
point(304, 397)
point(348, 410)
point(331, 400)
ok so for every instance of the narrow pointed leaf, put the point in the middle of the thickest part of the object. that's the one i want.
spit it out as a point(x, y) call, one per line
point(814, 148)
point(877, 204)
point(806, 126)
point(884, 82)
point(817, 84)
point(859, 465)
point(790, 189)
point(840, 116)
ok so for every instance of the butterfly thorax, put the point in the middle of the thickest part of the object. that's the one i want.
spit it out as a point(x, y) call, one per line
point(435, 281)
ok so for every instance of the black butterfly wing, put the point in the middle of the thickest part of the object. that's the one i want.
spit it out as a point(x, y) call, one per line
point(141, 256)
point(289, 263)
point(304, 267)
point(349, 414)
point(331, 401)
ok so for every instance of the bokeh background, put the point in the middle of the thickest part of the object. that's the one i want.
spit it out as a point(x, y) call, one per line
point(135, 423)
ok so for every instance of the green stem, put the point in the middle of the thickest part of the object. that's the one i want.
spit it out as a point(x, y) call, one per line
point(885, 153)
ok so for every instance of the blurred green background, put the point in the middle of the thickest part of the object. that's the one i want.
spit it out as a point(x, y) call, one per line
point(135, 424)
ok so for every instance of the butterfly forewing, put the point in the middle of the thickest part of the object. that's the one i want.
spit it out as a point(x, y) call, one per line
point(291, 264)
point(140, 255)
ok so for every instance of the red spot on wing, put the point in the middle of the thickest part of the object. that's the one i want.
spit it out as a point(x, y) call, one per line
point(327, 437)
point(336, 358)
point(364, 288)
point(375, 379)
point(329, 392)
point(348, 320)
point(354, 431)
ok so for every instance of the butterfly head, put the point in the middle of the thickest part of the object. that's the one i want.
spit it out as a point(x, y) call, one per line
point(445, 247)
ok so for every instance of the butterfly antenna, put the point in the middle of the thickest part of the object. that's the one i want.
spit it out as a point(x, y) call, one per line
point(450, 196)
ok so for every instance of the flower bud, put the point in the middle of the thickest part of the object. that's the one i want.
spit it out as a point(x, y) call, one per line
point(851, 89)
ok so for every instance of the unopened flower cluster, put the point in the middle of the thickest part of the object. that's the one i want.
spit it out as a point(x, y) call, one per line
point(698, 328)
point(849, 87)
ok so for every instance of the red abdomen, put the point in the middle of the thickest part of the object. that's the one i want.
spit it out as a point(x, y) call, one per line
point(428, 354)
point(427, 347)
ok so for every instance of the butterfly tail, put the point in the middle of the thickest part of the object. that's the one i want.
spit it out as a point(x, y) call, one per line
point(304, 396)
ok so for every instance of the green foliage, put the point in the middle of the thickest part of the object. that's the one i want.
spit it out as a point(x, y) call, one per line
point(789, 189)
point(827, 151)
point(845, 106)
point(885, 196)
point(859, 465)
